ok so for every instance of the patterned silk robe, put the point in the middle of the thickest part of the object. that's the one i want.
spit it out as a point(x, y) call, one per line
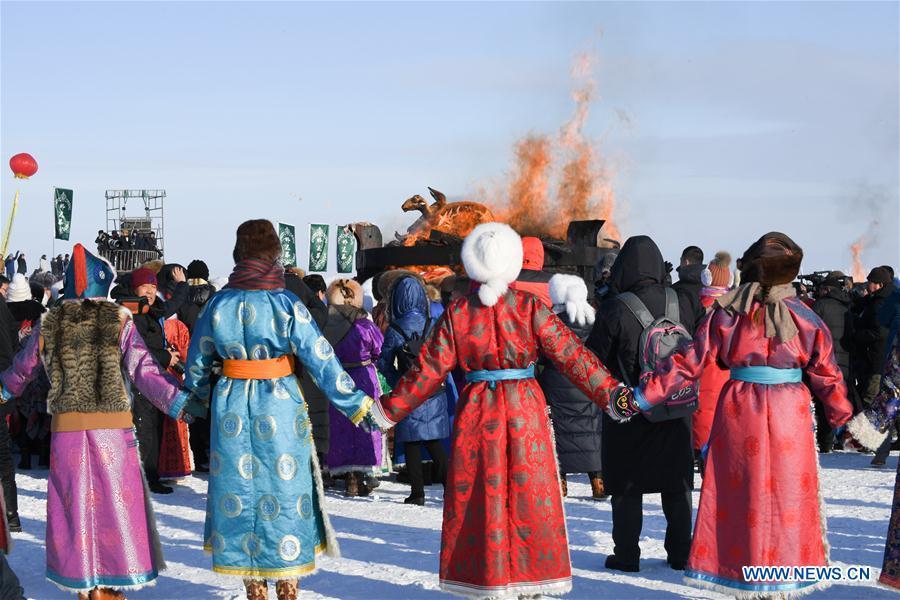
point(760, 503)
point(504, 528)
point(265, 509)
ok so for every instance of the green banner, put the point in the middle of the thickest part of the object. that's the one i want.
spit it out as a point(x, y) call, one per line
point(288, 236)
point(346, 249)
point(318, 248)
point(62, 212)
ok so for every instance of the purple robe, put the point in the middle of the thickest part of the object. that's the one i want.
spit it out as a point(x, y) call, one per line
point(351, 448)
point(100, 525)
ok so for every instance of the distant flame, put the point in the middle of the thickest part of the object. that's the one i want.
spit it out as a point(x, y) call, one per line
point(857, 271)
point(572, 163)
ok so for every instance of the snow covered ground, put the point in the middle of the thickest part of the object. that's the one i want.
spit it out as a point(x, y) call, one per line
point(390, 550)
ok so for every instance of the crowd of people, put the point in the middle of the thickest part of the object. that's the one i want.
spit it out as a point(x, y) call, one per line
point(497, 384)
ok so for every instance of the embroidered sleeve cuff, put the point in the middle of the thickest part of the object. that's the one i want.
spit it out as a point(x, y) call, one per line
point(178, 403)
point(641, 400)
point(864, 432)
point(364, 408)
point(381, 419)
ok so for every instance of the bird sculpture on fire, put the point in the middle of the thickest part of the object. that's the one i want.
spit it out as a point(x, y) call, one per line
point(454, 218)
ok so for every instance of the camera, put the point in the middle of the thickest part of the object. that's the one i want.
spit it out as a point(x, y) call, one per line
point(137, 305)
point(178, 367)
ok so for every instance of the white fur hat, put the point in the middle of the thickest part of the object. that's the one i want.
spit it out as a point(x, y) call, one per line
point(492, 256)
point(19, 289)
point(570, 292)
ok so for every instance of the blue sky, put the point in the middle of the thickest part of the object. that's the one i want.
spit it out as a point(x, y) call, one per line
point(741, 117)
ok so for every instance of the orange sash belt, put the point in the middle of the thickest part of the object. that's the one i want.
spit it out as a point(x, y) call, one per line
point(270, 368)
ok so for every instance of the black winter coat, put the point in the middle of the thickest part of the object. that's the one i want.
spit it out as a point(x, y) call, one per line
point(576, 419)
point(690, 285)
point(198, 296)
point(316, 402)
point(150, 325)
point(869, 335)
point(834, 309)
point(640, 457)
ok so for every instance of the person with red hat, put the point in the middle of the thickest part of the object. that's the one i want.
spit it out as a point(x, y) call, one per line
point(149, 320)
point(532, 279)
point(101, 533)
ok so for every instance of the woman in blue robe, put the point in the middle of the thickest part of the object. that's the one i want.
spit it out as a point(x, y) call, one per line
point(265, 517)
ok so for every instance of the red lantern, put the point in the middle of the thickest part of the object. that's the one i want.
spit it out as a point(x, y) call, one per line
point(23, 165)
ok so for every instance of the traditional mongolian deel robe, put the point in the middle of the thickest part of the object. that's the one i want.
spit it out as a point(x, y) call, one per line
point(870, 428)
point(100, 525)
point(174, 445)
point(504, 529)
point(264, 515)
point(760, 503)
point(350, 448)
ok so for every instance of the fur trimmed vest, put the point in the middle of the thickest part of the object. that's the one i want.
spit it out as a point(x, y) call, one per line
point(83, 359)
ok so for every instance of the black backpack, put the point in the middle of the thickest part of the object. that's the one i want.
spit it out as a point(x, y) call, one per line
point(661, 338)
point(412, 345)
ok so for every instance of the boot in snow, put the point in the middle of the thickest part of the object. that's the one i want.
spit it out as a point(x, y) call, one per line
point(564, 484)
point(286, 589)
point(257, 589)
point(597, 491)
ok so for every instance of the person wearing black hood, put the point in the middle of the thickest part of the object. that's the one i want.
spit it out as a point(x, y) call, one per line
point(689, 272)
point(833, 307)
point(640, 457)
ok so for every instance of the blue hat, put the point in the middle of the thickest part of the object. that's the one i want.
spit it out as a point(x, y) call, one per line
point(87, 276)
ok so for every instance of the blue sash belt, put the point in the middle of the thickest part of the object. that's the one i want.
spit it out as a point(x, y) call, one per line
point(492, 377)
point(767, 375)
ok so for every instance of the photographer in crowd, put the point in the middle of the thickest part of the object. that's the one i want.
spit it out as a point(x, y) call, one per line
point(139, 294)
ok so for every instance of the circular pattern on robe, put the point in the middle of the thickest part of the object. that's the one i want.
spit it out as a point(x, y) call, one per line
point(345, 383)
point(248, 466)
point(216, 543)
point(305, 506)
point(235, 351)
point(289, 548)
point(281, 323)
point(280, 390)
point(231, 505)
point(259, 352)
point(246, 313)
point(301, 425)
point(215, 463)
point(264, 427)
point(207, 346)
point(251, 545)
point(268, 507)
point(286, 466)
point(231, 425)
point(226, 387)
point(323, 349)
point(301, 313)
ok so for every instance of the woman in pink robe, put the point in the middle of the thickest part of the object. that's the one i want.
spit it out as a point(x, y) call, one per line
point(760, 503)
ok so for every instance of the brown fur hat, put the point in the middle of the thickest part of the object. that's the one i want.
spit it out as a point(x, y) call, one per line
point(344, 291)
point(433, 293)
point(774, 259)
point(153, 265)
point(257, 239)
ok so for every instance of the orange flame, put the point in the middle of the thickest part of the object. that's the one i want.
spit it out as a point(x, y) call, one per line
point(857, 271)
point(582, 181)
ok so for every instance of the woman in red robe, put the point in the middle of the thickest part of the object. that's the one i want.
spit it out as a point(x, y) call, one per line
point(760, 504)
point(504, 529)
